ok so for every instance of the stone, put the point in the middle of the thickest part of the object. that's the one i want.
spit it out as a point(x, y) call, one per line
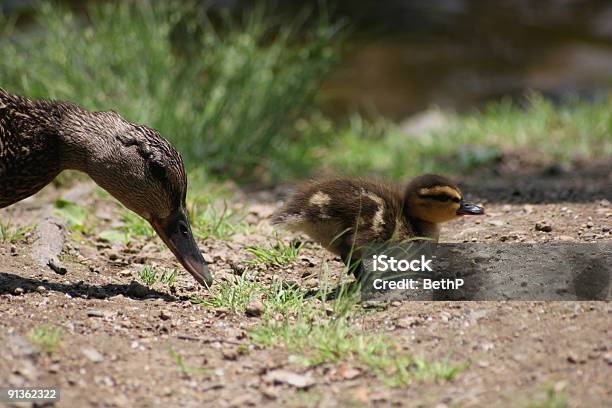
point(255, 309)
point(92, 354)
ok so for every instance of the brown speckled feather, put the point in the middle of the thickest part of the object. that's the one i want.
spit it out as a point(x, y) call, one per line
point(29, 147)
point(344, 214)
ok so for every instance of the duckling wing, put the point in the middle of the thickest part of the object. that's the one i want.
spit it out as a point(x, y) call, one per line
point(342, 214)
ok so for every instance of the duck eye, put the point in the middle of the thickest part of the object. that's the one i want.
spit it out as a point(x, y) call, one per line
point(456, 200)
point(158, 170)
point(183, 229)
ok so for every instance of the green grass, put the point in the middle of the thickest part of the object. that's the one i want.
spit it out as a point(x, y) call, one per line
point(339, 342)
point(551, 399)
point(238, 97)
point(150, 275)
point(574, 130)
point(278, 254)
point(313, 338)
point(77, 216)
point(10, 234)
point(316, 332)
point(133, 227)
point(235, 295)
point(227, 94)
point(211, 210)
point(305, 398)
point(183, 367)
point(209, 221)
point(46, 337)
point(282, 298)
point(330, 332)
point(207, 218)
point(279, 297)
point(168, 277)
point(115, 235)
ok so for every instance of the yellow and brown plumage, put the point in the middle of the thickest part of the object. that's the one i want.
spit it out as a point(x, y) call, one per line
point(344, 215)
point(41, 138)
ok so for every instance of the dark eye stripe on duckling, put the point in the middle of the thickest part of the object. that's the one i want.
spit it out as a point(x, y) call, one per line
point(440, 193)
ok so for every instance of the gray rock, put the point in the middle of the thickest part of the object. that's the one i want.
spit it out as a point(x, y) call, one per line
point(92, 354)
point(287, 377)
point(50, 237)
point(95, 313)
point(21, 348)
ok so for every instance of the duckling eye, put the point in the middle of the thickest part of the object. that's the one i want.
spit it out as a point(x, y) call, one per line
point(456, 199)
point(438, 197)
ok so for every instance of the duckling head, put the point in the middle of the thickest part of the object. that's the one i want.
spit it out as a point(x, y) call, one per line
point(142, 170)
point(436, 199)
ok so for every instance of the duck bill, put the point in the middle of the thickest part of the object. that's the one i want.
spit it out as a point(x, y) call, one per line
point(176, 234)
point(470, 209)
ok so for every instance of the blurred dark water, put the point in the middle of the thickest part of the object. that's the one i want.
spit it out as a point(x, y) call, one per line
point(403, 56)
point(407, 55)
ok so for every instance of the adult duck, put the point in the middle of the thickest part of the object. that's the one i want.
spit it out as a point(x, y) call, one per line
point(135, 164)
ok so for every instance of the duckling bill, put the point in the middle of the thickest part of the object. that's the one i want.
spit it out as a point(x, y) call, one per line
point(135, 164)
point(345, 214)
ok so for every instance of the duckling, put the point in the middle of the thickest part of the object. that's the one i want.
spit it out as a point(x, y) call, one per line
point(135, 164)
point(343, 215)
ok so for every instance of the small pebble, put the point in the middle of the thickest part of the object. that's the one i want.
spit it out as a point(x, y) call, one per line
point(95, 313)
point(92, 354)
point(566, 238)
point(18, 291)
point(231, 355)
point(255, 309)
point(270, 392)
point(544, 227)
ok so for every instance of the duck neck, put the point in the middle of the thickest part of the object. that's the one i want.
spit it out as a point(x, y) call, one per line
point(425, 229)
point(87, 141)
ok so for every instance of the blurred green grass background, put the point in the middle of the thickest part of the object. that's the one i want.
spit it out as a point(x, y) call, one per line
point(240, 96)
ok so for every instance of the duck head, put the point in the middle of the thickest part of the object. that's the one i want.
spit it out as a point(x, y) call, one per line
point(436, 199)
point(142, 170)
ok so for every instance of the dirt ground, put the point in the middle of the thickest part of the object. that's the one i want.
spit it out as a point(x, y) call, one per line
point(115, 350)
